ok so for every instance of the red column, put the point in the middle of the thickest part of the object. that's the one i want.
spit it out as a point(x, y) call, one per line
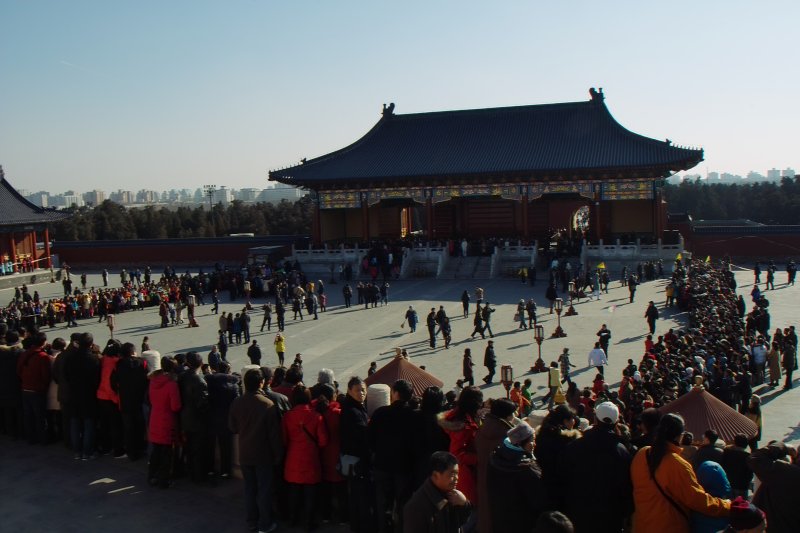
point(429, 216)
point(316, 228)
point(364, 219)
point(48, 259)
point(598, 232)
point(525, 226)
point(12, 243)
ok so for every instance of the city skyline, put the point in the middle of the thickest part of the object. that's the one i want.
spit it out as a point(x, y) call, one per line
point(182, 94)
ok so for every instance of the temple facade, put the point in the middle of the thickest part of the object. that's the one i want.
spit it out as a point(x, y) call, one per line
point(22, 226)
point(525, 172)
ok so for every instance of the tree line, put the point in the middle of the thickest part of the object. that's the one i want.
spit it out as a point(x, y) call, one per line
point(765, 202)
point(111, 221)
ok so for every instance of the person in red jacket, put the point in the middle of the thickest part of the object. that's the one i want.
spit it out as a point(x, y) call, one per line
point(334, 486)
point(109, 434)
point(462, 425)
point(304, 434)
point(33, 369)
point(165, 404)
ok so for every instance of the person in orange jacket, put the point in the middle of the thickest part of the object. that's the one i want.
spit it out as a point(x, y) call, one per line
point(665, 489)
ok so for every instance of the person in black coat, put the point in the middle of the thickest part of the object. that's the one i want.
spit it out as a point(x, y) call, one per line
point(129, 380)
point(734, 462)
point(708, 451)
point(223, 389)
point(82, 375)
point(599, 459)
point(254, 353)
point(490, 362)
point(392, 441)
point(514, 483)
point(194, 418)
point(354, 444)
point(431, 437)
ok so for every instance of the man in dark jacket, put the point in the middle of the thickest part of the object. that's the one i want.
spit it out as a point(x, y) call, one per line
point(490, 362)
point(734, 462)
point(391, 439)
point(599, 459)
point(82, 375)
point(10, 390)
point(651, 314)
point(777, 495)
point(194, 418)
point(353, 425)
point(430, 321)
point(437, 506)
point(255, 419)
point(708, 451)
point(514, 481)
point(254, 353)
point(223, 388)
point(129, 380)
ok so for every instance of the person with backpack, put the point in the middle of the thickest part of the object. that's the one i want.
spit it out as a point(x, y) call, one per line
point(665, 489)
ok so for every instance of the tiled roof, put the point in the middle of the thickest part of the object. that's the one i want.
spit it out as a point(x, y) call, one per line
point(535, 140)
point(16, 210)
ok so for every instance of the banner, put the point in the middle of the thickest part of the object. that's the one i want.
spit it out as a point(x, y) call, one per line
point(583, 188)
point(339, 199)
point(627, 190)
point(413, 193)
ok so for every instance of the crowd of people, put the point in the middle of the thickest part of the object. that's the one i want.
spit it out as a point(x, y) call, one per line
point(312, 450)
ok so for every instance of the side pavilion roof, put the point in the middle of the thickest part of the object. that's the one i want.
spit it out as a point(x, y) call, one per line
point(16, 210)
point(524, 141)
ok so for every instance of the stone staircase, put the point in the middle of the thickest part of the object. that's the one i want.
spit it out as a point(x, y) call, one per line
point(468, 268)
point(460, 268)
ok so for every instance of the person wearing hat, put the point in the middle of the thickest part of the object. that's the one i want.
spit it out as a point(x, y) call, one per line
point(514, 481)
point(599, 459)
point(493, 430)
point(746, 517)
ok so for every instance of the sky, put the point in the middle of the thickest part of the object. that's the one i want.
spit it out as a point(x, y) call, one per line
point(160, 95)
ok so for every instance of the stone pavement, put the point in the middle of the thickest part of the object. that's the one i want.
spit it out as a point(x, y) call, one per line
point(345, 340)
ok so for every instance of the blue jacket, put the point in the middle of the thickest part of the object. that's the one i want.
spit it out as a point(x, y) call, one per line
point(714, 480)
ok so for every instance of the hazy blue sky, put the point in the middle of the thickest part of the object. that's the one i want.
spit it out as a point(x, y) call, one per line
point(162, 94)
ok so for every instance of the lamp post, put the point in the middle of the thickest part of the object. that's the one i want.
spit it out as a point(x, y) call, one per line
point(559, 306)
point(571, 311)
point(209, 191)
point(538, 336)
point(507, 378)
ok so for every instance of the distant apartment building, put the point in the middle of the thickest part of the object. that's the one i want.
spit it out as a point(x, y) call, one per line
point(41, 198)
point(122, 197)
point(223, 196)
point(789, 173)
point(94, 197)
point(248, 195)
point(275, 194)
point(773, 174)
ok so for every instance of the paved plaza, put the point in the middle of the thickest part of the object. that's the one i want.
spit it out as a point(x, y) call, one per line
point(345, 340)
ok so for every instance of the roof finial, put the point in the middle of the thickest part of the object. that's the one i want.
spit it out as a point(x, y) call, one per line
point(597, 96)
point(388, 110)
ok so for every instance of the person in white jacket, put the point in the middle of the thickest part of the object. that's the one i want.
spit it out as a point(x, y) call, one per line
point(597, 357)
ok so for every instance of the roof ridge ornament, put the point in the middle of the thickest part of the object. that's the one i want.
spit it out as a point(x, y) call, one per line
point(388, 110)
point(597, 96)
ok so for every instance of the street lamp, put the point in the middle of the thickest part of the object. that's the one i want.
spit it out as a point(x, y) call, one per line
point(571, 311)
point(559, 306)
point(538, 336)
point(507, 378)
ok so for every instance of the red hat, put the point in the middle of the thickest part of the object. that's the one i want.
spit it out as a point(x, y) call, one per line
point(745, 515)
